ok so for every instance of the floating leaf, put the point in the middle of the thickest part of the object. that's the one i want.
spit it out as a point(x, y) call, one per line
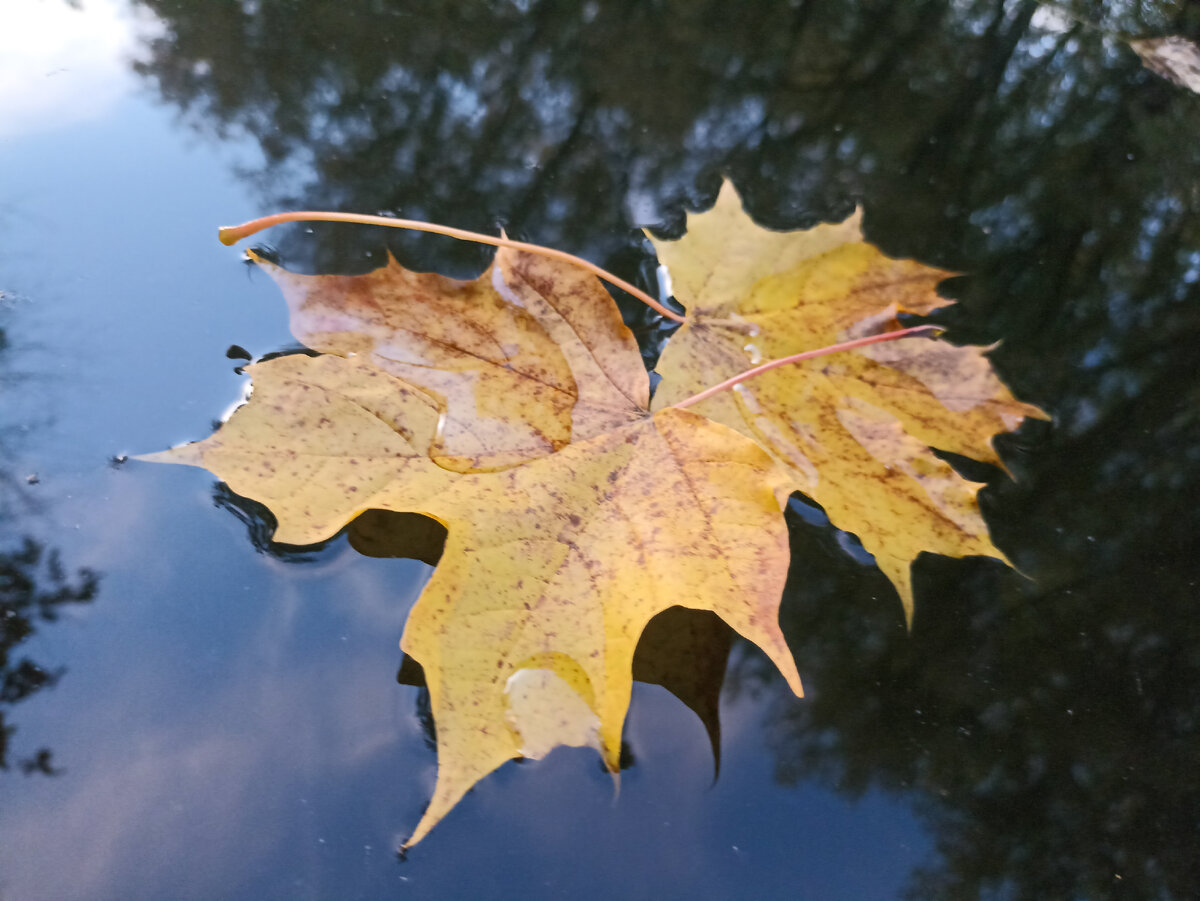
point(551, 568)
point(1174, 58)
point(514, 409)
point(503, 357)
point(853, 429)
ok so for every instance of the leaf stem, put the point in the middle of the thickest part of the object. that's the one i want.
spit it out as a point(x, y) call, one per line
point(231, 234)
point(914, 332)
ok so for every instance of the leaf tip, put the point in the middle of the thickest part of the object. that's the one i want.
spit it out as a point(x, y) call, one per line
point(274, 270)
point(188, 454)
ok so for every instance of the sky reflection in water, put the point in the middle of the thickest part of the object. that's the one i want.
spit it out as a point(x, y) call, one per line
point(229, 723)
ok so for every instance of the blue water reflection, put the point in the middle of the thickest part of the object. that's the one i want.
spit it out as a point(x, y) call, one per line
point(228, 721)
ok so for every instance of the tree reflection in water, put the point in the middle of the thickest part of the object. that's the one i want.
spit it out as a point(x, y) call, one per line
point(1047, 732)
point(1048, 728)
point(34, 588)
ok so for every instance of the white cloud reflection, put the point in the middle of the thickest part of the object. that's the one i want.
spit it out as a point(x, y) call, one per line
point(189, 795)
point(60, 65)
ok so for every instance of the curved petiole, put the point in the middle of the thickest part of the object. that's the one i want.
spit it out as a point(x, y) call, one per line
point(917, 331)
point(231, 234)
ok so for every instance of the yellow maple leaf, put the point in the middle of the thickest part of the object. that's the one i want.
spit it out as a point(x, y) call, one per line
point(853, 430)
point(554, 565)
point(514, 409)
point(501, 356)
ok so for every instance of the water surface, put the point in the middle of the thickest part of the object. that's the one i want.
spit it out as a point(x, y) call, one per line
point(217, 716)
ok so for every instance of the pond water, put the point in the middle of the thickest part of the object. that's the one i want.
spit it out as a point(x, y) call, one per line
point(192, 711)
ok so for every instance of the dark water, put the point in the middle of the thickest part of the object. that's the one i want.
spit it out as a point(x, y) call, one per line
point(192, 712)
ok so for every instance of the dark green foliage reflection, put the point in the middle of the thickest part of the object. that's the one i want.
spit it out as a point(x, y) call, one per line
point(1047, 729)
point(34, 590)
point(35, 587)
